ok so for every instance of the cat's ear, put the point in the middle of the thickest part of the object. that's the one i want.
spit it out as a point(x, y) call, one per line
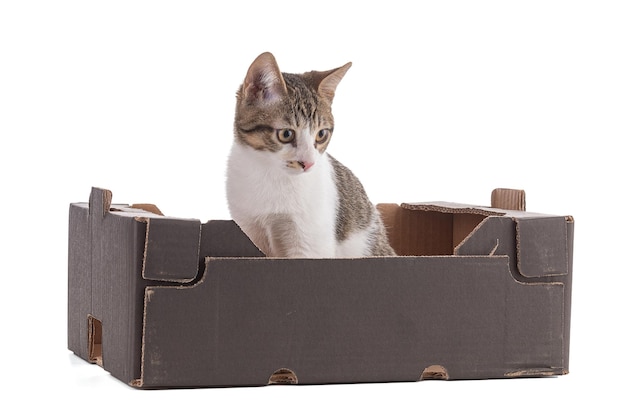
point(327, 81)
point(264, 83)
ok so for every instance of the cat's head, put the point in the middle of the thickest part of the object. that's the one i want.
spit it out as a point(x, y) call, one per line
point(286, 115)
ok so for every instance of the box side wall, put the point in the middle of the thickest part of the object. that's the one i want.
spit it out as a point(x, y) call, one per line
point(105, 288)
point(568, 293)
point(117, 291)
point(536, 341)
point(79, 280)
point(338, 321)
point(554, 264)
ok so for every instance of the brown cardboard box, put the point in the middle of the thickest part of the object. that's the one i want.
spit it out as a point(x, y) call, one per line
point(479, 292)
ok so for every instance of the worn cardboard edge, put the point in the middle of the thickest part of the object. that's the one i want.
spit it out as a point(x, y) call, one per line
point(451, 207)
point(538, 372)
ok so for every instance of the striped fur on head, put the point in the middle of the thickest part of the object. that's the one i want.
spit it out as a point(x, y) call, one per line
point(277, 111)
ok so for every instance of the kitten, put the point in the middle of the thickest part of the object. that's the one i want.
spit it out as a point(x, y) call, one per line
point(285, 192)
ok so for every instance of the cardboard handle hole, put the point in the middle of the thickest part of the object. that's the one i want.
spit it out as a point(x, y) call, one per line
point(283, 376)
point(94, 340)
point(435, 372)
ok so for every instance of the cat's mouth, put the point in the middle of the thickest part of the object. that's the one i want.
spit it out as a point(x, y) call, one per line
point(301, 166)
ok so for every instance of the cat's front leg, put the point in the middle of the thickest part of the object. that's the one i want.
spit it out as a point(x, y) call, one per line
point(284, 237)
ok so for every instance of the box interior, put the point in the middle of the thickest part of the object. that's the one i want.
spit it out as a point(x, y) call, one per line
point(414, 232)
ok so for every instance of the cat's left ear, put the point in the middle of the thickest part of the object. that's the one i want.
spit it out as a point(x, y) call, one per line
point(264, 83)
point(327, 81)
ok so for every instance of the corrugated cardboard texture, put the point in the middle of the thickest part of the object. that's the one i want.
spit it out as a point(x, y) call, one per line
point(482, 292)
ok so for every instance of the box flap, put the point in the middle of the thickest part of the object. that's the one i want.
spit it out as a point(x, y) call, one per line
point(172, 249)
point(542, 246)
point(99, 202)
point(452, 207)
point(495, 235)
point(434, 228)
point(509, 199)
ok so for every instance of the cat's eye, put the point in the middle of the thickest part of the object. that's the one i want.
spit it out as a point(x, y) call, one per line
point(286, 135)
point(322, 135)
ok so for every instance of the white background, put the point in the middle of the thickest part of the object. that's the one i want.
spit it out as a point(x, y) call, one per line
point(445, 101)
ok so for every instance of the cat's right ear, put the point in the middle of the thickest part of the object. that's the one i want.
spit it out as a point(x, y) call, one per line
point(264, 83)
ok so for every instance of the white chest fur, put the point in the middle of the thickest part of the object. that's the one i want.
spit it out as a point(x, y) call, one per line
point(283, 213)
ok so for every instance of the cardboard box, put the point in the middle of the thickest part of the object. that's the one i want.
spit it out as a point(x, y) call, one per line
point(478, 292)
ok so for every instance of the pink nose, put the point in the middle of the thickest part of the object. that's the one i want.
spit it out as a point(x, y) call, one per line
point(306, 165)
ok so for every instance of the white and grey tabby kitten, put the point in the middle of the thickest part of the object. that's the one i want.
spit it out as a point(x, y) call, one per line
point(290, 197)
